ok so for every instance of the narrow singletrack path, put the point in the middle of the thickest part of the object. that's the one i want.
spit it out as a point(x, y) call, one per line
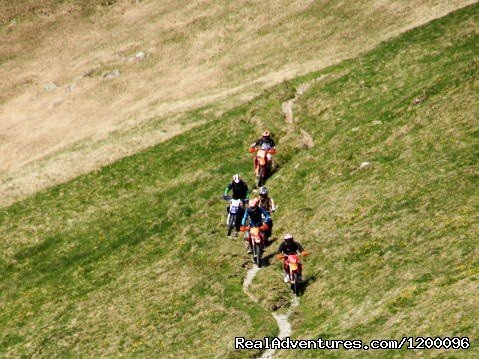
point(248, 280)
point(284, 326)
point(282, 320)
point(287, 109)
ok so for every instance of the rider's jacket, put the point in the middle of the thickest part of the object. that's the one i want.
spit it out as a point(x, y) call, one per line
point(290, 248)
point(255, 216)
point(267, 204)
point(240, 190)
point(268, 143)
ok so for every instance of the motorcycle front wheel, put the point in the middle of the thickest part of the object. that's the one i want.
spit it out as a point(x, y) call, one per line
point(257, 255)
point(295, 284)
point(231, 224)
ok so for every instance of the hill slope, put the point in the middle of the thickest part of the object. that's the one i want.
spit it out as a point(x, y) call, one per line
point(131, 260)
point(61, 115)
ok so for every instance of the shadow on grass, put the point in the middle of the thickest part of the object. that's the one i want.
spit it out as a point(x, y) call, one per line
point(270, 241)
point(266, 261)
point(275, 169)
point(304, 284)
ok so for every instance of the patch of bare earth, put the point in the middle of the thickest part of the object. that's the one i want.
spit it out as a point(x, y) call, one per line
point(287, 109)
point(282, 319)
point(60, 110)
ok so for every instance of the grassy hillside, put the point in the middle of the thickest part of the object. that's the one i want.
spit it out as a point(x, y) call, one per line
point(395, 244)
point(131, 260)
point(55, 57)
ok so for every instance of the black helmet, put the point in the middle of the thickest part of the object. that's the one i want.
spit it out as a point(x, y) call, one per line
point(263, 192)
point(288, 238)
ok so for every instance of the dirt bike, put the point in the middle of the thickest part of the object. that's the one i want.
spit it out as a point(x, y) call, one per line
point(262, 165)
point(256, 239)
point(293, 269)
point(233, 213)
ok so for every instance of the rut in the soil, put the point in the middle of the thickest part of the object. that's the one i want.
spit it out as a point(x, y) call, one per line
point(282, 320)
point(284, 326)
point(248, 280)
point(287, 109)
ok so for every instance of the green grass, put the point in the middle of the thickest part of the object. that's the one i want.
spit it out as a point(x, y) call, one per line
point(134, 241)
point(132, 261)
point(394, 249)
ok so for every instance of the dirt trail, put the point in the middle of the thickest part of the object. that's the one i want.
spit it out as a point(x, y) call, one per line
point(284, 326)
point(281, 319)
point(287, 109)
point(248, 280)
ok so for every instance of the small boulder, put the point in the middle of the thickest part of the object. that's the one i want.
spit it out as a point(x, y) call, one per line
point(364, 165)
point(419, 99)
point(50, 86)
point(140, 55)
point(111, 74)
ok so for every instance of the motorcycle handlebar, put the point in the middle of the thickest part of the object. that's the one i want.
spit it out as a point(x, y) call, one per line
point(254, 149)
point(282, 255)
point(264, 227)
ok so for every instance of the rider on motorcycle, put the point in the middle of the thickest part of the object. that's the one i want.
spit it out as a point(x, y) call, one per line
point(255, 214)
point(267, 204)
point(239, 187)
point(265, 140)
point(289, 246)
point(264, 143)
point(240, 191)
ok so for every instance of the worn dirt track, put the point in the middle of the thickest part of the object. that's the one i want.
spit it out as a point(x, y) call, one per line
point(282, 320)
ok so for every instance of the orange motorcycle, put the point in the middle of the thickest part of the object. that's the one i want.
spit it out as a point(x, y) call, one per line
point(256, 240)
point(293, 269)
point(262, 164)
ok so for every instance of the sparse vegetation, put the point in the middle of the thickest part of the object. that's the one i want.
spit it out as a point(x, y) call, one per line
point(131, 259)
point(393, 245)
point(205, 53)
point(20, 10)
